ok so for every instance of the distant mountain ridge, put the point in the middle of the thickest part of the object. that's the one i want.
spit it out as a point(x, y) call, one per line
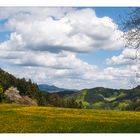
point(53, 88)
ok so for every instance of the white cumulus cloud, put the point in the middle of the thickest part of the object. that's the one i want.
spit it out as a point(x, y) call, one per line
point(44, 42)
point(127, 56)
point(56, 29)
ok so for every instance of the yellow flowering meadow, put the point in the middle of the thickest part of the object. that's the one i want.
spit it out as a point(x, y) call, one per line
point(24, 119)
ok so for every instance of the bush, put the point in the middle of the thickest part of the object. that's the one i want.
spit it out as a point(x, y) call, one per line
point(123, 106)
point(137, 109)
point(100, 105)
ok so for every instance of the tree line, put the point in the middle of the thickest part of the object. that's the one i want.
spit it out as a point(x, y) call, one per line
point(30, 89)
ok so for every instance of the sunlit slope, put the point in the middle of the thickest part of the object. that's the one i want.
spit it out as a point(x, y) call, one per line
point(18, 118)
point(106, 98)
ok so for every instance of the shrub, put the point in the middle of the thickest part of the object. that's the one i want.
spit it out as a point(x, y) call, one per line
point(123, 106)
point(137, 109)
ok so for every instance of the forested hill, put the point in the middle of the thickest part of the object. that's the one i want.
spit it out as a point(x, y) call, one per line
point(106, 98)
point(25, 87)
point(30, 89)
point(96, 98)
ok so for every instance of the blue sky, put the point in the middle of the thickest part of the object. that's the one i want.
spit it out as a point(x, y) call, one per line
point(78, 48)
point(112, 12)
point(98, 57)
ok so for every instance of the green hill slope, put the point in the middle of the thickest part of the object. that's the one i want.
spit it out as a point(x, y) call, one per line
point(105, 98)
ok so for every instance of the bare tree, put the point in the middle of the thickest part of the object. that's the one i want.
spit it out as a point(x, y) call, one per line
point(131, 28)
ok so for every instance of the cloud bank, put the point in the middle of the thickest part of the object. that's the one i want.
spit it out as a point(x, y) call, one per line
point(43, 45)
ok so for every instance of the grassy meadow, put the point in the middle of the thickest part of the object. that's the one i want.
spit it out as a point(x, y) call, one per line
point(23, 119)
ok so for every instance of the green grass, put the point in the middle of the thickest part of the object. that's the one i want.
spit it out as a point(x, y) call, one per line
point(110, 99)
point(24, 119)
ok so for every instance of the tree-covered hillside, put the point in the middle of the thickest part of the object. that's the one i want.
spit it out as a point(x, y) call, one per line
point(30, 89)
point(105, 98)
point(96, 98)
point(25, 87)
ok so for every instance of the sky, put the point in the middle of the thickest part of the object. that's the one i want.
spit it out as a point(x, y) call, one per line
point(73, 48)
